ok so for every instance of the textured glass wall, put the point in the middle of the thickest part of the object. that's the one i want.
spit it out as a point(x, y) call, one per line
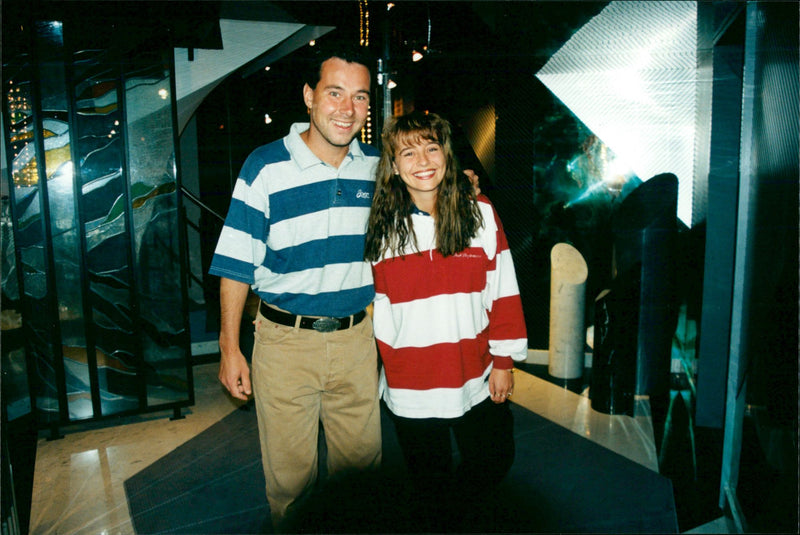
point(27, 198)
point(104, 215)
point(63, 224)
point(156, 220)
point(90, 139)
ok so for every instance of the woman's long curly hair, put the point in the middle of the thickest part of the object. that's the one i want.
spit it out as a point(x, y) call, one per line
point(458, 217)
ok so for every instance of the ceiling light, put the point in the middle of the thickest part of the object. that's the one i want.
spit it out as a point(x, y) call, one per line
point(416, 56)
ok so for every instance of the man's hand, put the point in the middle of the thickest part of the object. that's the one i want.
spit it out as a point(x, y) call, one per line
point(234, 374)
point(474, 179)
point(233, 370)
point(501, 384)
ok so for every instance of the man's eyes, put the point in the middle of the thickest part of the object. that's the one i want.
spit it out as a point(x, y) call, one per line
point(360, 98)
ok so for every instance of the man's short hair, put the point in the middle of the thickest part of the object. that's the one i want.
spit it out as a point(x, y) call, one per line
point(325, 50)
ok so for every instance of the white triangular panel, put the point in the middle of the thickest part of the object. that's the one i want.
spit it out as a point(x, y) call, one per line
point(242, 42)
point(629, 75)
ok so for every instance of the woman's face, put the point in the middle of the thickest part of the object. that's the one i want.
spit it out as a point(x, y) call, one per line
point(421, 165)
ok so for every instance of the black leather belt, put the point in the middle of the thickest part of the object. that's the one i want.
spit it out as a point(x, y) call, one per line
point(321, 324)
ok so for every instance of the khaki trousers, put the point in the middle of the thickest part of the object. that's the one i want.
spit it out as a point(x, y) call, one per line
point(302, 377)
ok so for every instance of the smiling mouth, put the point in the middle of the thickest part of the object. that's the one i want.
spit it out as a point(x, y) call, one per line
point(424, 175)
point(340, 124)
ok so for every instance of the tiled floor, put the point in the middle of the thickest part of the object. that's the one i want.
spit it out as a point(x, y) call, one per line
point(78, 480)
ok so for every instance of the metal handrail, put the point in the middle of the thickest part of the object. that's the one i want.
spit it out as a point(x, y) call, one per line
point(192, 197)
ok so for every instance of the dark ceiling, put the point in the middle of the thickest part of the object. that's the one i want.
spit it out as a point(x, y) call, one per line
point(474, 47)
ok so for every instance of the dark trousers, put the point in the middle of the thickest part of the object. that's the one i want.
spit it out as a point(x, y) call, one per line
point(485, 440)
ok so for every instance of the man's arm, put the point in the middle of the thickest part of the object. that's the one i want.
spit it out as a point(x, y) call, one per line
point(233, 370)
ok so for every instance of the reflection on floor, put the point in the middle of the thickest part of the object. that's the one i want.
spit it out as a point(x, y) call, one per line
point(78, 481)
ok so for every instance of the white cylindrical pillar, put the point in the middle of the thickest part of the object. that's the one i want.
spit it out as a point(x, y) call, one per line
point(568, 273)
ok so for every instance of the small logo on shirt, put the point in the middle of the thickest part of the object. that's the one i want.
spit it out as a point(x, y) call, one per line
point(362, 194)
point(467, 255)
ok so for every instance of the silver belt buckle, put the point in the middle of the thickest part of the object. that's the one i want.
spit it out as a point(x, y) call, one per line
point(326, 325)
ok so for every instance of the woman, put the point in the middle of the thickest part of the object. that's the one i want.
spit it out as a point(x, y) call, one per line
point(448, 317)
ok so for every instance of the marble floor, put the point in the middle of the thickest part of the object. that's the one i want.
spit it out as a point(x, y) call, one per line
point(78, 480)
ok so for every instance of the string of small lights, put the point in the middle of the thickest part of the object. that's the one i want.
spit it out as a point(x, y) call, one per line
point(25, 174)
point(363, 29)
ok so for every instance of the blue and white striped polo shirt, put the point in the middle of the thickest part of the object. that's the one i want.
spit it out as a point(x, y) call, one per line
point(295, 228)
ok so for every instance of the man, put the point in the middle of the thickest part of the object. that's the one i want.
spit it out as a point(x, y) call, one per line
point(295, 234)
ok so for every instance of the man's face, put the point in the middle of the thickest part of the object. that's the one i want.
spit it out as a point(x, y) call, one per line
point(340, 102)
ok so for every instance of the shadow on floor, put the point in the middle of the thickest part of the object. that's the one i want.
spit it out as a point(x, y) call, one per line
point(560, 482)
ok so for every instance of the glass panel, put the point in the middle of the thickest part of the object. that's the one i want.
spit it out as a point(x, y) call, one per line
point(16, 395)
point(153, 183)
point(25, 197)
point(104, 215)
point(66, 240)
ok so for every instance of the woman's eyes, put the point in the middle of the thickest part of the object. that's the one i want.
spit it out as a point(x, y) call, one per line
point(429, 148)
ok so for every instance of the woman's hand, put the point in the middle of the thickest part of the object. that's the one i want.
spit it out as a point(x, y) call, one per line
point(501, 385)
point(474, 179)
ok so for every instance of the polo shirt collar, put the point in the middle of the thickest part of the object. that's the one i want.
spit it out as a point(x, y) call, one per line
point(303, 155)
point(415, 210)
